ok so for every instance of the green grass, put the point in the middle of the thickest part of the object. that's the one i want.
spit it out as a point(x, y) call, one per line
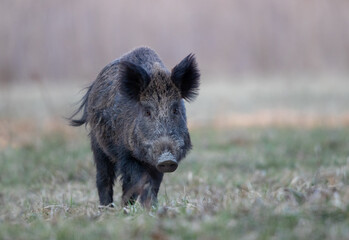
point(242, 183)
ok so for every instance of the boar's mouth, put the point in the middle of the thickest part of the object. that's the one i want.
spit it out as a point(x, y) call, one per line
point(166, 163)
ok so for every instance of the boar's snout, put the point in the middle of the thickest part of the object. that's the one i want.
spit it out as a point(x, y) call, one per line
point(167, 163)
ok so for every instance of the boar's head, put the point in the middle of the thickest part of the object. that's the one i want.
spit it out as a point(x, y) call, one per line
point(159, 135)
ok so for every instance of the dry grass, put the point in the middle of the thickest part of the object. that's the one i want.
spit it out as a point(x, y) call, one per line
point(251, 183)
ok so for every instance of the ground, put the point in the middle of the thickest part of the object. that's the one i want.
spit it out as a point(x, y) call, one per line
point(255, 181)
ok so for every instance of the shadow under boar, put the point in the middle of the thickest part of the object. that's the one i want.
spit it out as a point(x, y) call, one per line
point(137, 119)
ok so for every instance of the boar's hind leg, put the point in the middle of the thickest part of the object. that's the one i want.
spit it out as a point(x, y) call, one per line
point(105, 175)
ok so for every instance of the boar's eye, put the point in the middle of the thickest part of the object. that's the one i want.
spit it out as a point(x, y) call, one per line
point(147, 113)
point(175, 110)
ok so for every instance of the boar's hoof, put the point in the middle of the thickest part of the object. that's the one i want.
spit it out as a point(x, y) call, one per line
point(109, 206)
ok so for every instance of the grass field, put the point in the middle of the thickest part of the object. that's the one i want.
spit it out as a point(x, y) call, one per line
point(239, 182)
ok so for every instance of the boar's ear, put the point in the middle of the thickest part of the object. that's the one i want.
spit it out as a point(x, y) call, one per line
point(134, 79)
point(186, 77)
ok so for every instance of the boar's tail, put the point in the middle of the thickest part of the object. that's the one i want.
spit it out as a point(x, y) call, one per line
point(83, 107)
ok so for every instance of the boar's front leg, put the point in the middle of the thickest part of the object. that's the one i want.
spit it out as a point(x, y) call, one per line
point(105, 174)
point(138, 180)
point(151, 188)
point(133, 176)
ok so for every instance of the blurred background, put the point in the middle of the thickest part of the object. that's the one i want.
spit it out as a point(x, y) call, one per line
point(262, 62)
point(270, 127)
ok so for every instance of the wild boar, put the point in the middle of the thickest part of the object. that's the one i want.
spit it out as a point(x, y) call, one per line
point(137, 121)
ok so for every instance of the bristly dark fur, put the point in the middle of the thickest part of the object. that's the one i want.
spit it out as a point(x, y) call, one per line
point(134, 79)
point(83, 107)
point(186, 77)
point(137, 120)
